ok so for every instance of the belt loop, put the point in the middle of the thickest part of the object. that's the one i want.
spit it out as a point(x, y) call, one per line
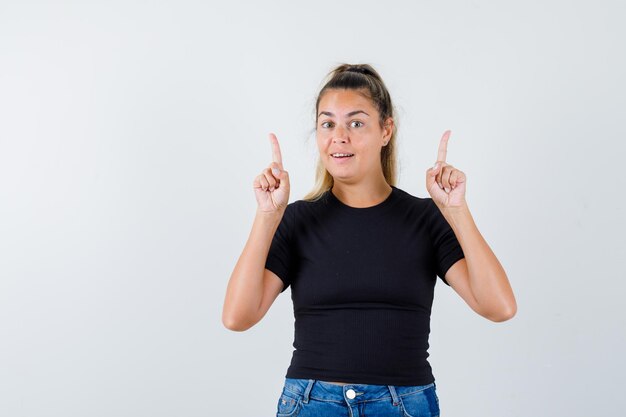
point(394, 395)
point(307, 391)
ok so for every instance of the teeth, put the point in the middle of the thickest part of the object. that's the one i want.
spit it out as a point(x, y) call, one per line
point(341, 154)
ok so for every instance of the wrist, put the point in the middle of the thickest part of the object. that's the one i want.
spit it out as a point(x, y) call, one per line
point(458, 216)
point(462, 208)
point(275, 215)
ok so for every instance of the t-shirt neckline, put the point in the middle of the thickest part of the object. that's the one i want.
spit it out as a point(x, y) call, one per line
point(371, 209)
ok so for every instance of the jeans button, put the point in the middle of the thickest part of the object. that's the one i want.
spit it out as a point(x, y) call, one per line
point(351, 394)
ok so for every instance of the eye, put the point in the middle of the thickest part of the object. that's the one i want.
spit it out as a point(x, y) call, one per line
point(356, 121)
point(323, 123)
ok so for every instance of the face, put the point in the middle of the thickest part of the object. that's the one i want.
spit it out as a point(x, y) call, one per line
point(348, 123)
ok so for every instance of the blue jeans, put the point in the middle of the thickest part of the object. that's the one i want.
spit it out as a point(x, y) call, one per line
point(315, 398)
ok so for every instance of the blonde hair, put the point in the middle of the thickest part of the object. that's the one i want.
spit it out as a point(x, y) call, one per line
point(366, 81)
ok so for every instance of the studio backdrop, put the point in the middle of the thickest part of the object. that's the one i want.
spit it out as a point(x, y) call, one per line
point(130, 135)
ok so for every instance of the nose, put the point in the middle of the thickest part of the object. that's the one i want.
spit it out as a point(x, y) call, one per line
point(339, 135)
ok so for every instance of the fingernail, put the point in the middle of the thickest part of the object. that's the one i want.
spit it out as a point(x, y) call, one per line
point(435, 166)
point(275, 171)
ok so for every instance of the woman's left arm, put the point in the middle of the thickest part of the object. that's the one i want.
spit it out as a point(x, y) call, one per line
point(478, 278)
point(479, 274)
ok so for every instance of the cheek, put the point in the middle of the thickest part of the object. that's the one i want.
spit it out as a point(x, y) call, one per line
point(322, 143)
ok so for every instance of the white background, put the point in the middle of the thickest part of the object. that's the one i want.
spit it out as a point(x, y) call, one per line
point(130, 134)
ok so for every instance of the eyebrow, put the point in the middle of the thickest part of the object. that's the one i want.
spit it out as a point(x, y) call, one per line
point(352, 113)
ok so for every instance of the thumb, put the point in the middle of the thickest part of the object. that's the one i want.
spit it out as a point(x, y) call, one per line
point(281, 174)
point(284, 178)
point(431, 175)
point(432, 172)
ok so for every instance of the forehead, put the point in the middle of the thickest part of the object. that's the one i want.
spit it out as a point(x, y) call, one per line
point(344, 100)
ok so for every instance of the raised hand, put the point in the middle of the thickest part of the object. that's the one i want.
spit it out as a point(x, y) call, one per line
point(445, 183)
point(271, 187)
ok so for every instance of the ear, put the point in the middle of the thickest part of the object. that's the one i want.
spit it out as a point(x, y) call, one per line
point(387, 130)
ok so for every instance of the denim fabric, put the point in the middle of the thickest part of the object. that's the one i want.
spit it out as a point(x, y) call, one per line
point(315, 398)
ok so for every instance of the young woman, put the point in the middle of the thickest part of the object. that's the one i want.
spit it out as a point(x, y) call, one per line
point(362, 257)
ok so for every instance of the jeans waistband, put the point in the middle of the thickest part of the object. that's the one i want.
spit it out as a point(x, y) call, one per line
point(326, 391)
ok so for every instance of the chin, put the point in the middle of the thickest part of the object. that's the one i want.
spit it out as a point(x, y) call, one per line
point(345, 179)
point(338, 176)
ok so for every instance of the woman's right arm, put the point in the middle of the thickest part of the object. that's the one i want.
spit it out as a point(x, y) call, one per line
point(251, 288)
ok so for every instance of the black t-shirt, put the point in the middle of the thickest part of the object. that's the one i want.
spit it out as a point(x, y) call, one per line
point(362, 283)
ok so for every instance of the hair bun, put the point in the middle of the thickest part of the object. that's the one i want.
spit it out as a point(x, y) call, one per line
point(358, 68)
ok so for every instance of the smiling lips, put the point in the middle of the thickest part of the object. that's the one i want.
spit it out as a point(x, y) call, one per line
point(338, 155)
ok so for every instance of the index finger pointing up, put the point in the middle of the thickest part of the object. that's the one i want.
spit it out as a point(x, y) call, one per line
point(276, 156)
point(443, 147)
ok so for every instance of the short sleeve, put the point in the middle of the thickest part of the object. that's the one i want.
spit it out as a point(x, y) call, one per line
point(280, 257)
point(447, 248)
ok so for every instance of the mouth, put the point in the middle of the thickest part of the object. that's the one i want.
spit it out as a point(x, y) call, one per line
point(341, 155)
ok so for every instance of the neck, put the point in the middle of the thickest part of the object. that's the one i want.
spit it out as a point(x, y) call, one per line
point(363, 194)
